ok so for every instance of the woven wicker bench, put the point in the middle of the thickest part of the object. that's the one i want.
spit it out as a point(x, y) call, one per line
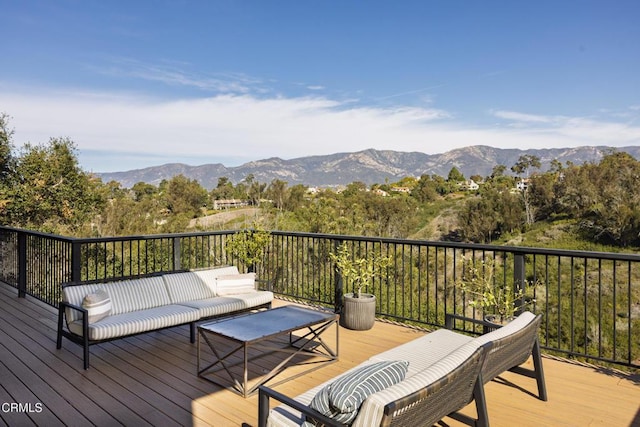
point(139, 305)
point(446, 372)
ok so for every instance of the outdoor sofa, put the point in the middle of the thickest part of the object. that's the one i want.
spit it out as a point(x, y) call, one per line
point(100, 311)
point(446, 371)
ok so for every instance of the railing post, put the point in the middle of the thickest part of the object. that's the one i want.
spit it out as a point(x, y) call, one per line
point(76, 261)
point(177, 255)
point(338, 282)
point(22, 264)
point(518, 279)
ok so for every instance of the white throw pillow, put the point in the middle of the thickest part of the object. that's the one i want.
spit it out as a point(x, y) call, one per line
point(233, 284)
point(98, 304)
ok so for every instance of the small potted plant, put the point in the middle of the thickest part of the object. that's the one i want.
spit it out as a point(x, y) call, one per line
point(358, 309)
point(498, 302)
point(248, 246)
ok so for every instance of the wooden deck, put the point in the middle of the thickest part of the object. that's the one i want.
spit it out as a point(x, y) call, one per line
point(151, 380)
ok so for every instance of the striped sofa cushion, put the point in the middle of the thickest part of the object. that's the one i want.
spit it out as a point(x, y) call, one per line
point(234, 284)
point(137, 294)
point(426, 350)
point(186, 286)
point(139, 321)
point(98, 305)
point(342, 399)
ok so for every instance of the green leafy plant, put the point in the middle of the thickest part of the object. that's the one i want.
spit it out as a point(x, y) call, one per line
point(480, 289)
point(358, 271)
point(248, 246)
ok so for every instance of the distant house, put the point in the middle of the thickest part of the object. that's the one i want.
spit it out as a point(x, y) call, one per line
point(380, 192)
point(229, 203)
point(469, 185)
point(405, 190)
point(523, 184)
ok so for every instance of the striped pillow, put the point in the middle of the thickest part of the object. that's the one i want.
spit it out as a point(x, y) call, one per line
point(98, 304)
point(233, 284)
point(342, 399)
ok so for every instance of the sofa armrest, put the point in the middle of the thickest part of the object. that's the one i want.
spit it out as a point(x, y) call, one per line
point(268, 284)
point(64, 305)
point(263, 408)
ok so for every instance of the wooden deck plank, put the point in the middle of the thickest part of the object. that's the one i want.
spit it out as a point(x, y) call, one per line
point(151, 379)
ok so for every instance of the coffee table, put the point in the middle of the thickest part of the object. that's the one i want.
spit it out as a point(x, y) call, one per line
point(259, 330)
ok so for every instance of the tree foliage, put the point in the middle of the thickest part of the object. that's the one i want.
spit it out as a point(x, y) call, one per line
point(50, 191)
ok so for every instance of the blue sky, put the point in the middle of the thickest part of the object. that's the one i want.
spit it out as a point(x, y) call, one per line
point(142, 83)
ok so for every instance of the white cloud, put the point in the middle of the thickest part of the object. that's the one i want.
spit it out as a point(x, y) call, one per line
point(250, 128)
point(178, 74)
point(521, 117)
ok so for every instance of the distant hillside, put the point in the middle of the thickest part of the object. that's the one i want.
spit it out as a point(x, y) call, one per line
point(368, 166)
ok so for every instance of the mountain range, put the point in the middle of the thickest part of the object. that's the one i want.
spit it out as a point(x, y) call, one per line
point(368, 166)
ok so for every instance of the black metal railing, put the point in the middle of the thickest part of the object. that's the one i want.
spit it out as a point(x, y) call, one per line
point(590, 301)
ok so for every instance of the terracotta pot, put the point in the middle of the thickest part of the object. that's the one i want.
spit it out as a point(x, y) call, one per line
point(358, 313)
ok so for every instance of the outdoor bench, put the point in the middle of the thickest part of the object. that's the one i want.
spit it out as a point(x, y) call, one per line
point(99, 311)
point(446, 371)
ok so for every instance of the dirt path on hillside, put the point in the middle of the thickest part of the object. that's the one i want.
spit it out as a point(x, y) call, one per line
point(222, 218)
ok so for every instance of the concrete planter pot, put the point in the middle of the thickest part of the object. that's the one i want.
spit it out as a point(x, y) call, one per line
point(358, 314)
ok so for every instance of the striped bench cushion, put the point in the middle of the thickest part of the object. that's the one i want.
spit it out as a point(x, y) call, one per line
point(372, 409)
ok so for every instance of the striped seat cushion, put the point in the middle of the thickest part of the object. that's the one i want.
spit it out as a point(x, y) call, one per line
point(342, 399)
point(211, 307)
point(118, 325)
point(97, 304)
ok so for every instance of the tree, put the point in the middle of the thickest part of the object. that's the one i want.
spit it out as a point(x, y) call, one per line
point(51, 192)
point(254, 190)
point(277, 192)
point(185, 196)
point(143, 190)
point(541, 195)
point(525, 163)
point(6, 162)
point(455, 176)
point(615, 215)
point(6, 147)
point(296, 197)
point(522, 166)
point(425, 190)
point(477, 220)
point(224, 189)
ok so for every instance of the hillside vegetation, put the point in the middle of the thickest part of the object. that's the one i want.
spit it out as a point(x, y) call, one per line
point(594, 206)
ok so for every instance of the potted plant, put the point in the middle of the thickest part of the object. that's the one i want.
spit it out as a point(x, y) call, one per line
point(358, 308)
point(248, 246)
point(498, 301)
